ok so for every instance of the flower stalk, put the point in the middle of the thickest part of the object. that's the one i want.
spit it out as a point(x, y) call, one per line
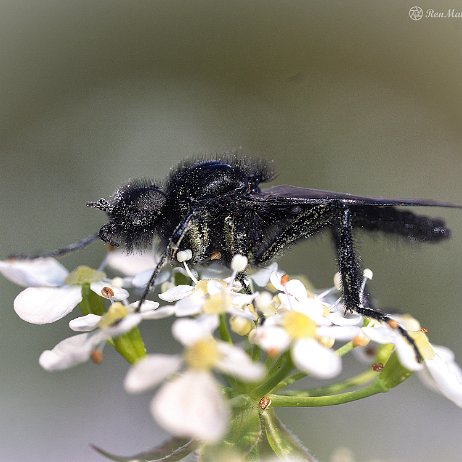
point(260, 345)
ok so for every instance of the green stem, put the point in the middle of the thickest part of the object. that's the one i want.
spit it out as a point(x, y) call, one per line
point(223, 330)
point(283, 368)
point(290, 380)
point(360, 379)
point(254, 353)
point(343, 350)
point(316, 401)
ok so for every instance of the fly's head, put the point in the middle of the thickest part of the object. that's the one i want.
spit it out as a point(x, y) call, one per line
point(134, 211)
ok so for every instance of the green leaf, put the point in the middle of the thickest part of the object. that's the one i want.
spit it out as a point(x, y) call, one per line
point(170, 451)
point(130, 345)
point(91, 303)
point(393, 373)
point(282, 441)
point(243, 437)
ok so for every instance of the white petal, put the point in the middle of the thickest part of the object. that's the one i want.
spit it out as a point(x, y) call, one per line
point(271, 338)
point(311, 357)
point(189, 306)
point(340, 318)
point(236, 362)
point(275, 280)
point(262, 276)
point(142, 279)
point(189, 331)
point(380, 334)
point(241, 313)
point(215, 270)
point(209, 322)
point(85, 323)
point(345, 333)
point(148, 305)
point(124, 325)
point(131, 264)
point(314, 309)
point(215, 287)
point(46, 272)
point(176, 293)
point(160, 313)
point(443, 374)
point(192, 405)
point(150, 371)
point(67, 353)
point(288, 301)
point(119, 293)
point(406, 354)
point(297, 289)
point(241, 299)
point(42, 305)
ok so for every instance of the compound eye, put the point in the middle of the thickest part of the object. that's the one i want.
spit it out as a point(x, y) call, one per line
point(150, 200)
point(108, 233)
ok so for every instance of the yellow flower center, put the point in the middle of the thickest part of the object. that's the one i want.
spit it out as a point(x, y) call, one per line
point(201, 287)
point(298, 325)
point(82, 275)
point(217, 303)
point(241, 326)
point(116, 312)
point(203, 354)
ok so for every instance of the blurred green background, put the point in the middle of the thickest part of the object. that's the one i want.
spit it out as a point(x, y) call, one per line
point(350, 96)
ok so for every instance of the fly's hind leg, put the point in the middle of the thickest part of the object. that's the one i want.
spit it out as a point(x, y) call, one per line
point(353, 295)
point(306, 224)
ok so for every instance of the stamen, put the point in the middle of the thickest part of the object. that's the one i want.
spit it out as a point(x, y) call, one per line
point(107, 292)
point(183, 256)
point(193, 278)
point(367, 276)
point(238, 265)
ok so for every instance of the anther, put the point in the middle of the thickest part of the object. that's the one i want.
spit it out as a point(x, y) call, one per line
point(360, 341)
point(377, 367)
point(284, 279)
point(239, 263)
point(264, 403)
point(184, 255)
point(96, 356)
point(107, 292)
point(216, 255)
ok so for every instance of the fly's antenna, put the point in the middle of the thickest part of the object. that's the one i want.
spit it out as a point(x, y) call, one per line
point(59, 252)
point(100, 204)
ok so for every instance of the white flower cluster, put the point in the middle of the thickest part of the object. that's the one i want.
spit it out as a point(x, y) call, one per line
point(282, 317)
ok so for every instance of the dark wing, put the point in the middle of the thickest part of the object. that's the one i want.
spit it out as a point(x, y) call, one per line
point(301, 195)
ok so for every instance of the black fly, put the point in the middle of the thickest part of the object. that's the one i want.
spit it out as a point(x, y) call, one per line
point(216, 209)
